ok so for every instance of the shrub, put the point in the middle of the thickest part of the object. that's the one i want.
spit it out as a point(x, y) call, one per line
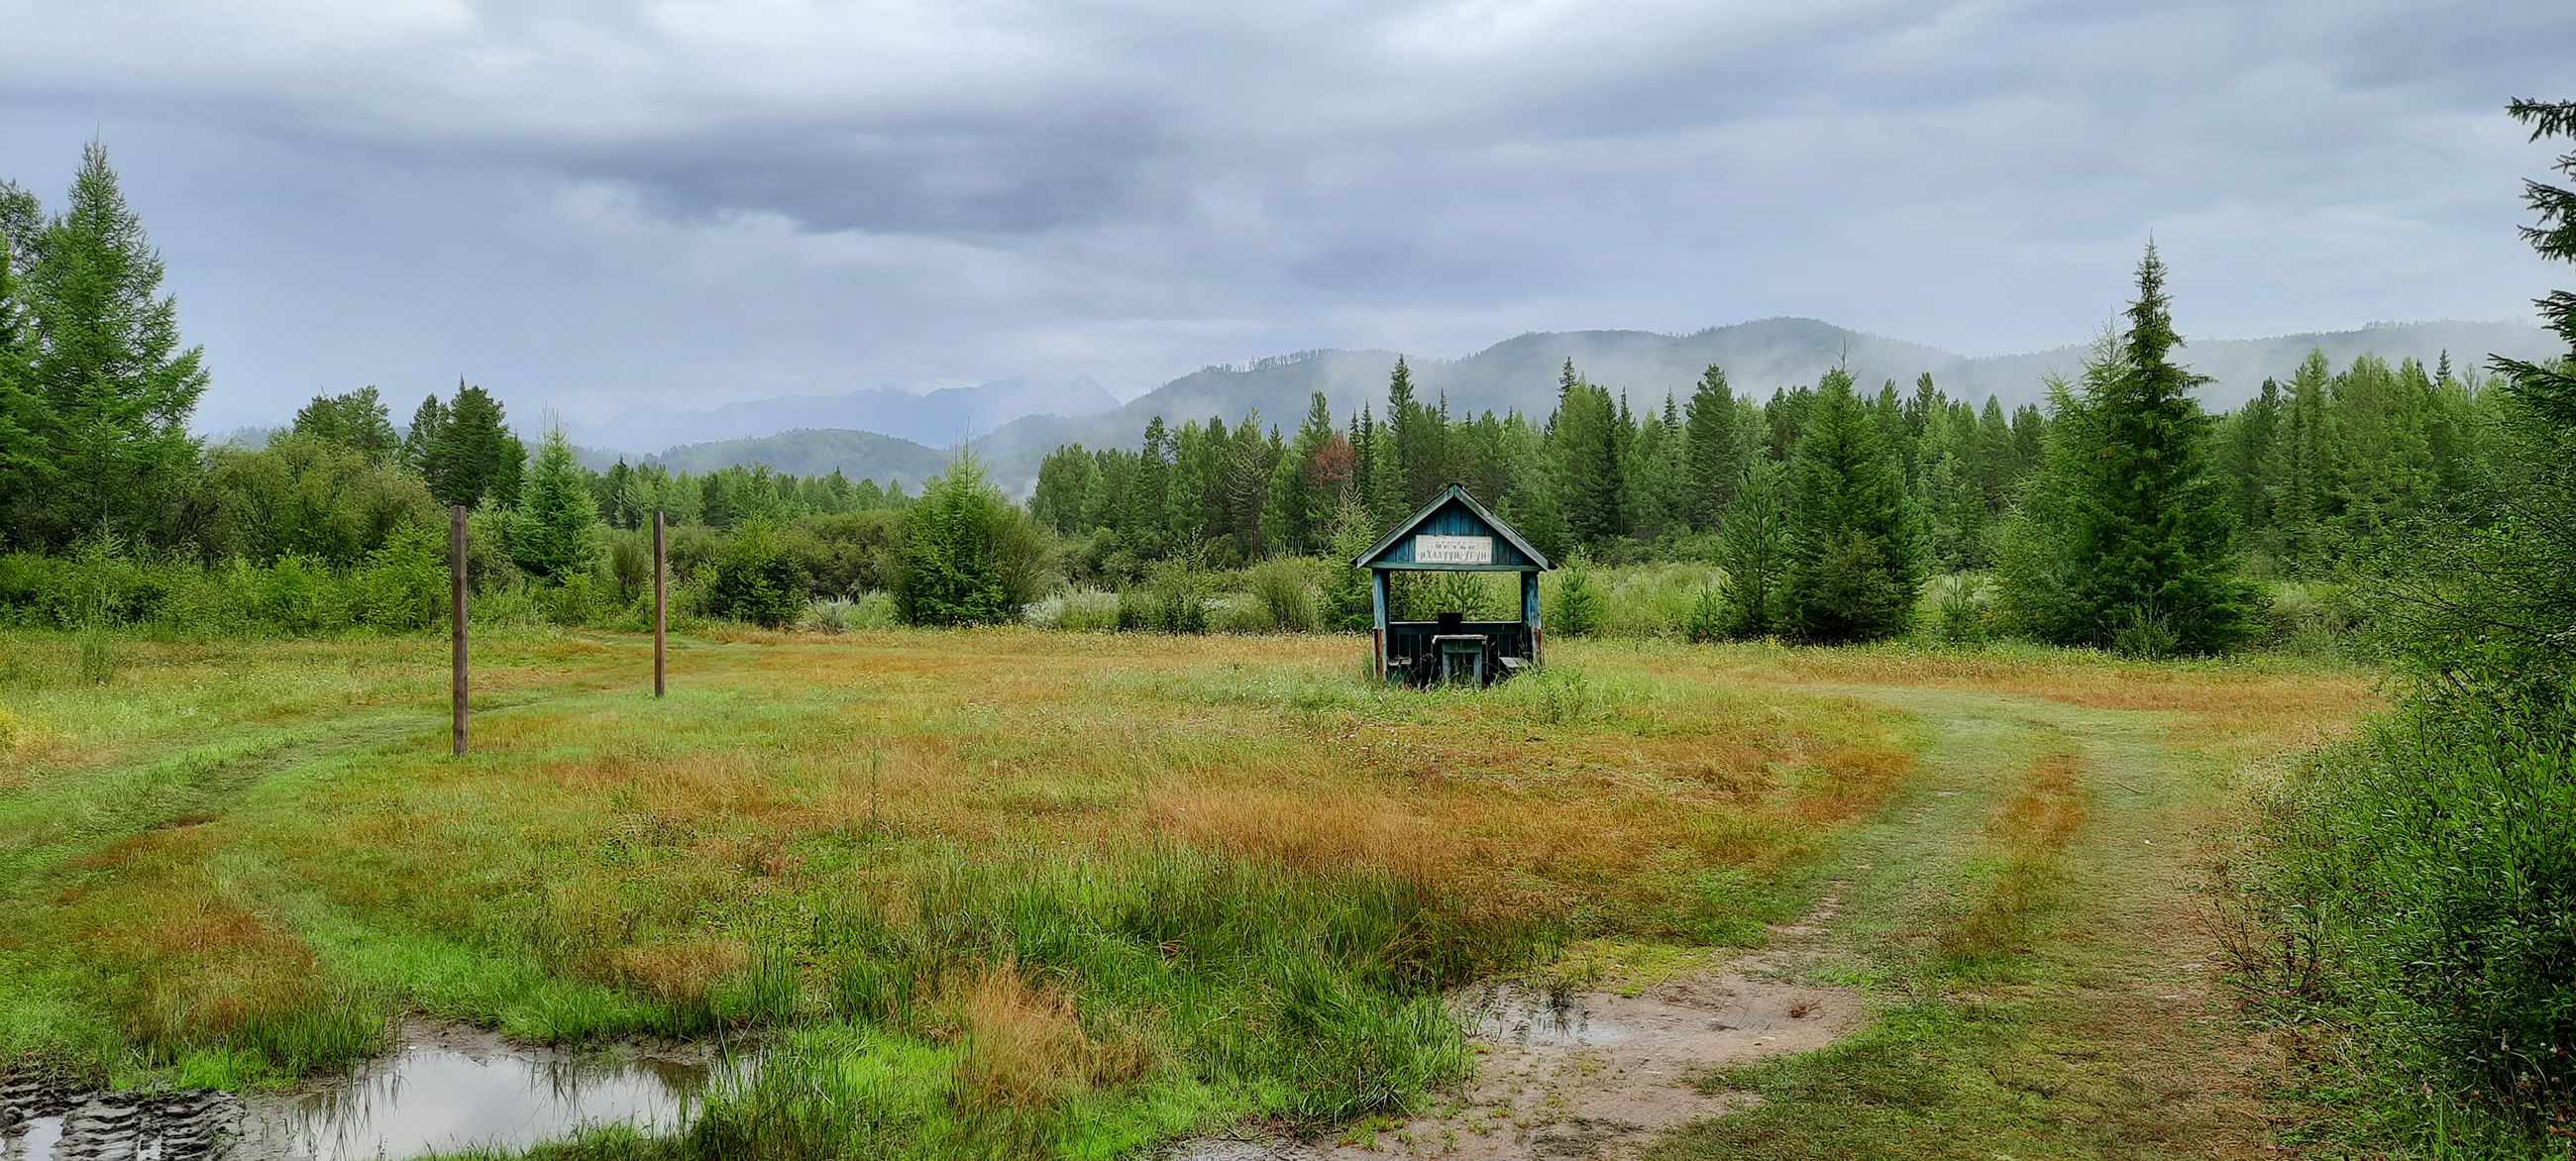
point(1076, 611)
point(1285, 587)
point(299, 595)
point(756, 581)
point(1238, 613)
point(630, 564)
point(574, 602)
point(829, 615)
point(405, 584)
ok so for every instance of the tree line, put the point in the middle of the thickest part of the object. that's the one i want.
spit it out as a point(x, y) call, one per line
point(2118, 514)
point(1829, 506)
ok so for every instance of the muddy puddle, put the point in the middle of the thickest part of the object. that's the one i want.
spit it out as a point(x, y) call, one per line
point(439, 1090)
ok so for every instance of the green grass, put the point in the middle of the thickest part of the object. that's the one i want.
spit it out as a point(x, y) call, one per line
point(988, 893)
point(2022, 935)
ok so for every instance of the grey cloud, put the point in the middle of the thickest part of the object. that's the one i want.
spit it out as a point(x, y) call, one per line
point(596, 203)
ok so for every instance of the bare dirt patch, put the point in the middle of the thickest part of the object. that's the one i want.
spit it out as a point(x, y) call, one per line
point(1565, 1073)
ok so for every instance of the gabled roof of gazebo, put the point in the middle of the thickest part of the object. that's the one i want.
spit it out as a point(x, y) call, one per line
point(1455, 499)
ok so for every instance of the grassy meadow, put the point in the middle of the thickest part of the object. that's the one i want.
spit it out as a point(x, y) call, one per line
point(1012, 892)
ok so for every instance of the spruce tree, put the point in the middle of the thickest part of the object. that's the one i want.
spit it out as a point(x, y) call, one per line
point(1584, 463)
point(115, 387)
point(556, 534)
point(1855, 565)
point(1296, 507)
point(2148, 538)
point(1754, 550)
point(1714, 447)
point(472, 454)
point(953, 573)
point(1417, 443)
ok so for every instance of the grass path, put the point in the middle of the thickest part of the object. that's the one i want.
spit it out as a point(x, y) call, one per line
point(2025, 919)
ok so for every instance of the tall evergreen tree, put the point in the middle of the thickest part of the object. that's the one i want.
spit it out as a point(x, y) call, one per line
point(2246, 440)
point(1754, 550)
point(1417, 435)
point(2301, 470)
point(1297, 507)
point(471, 454)
point(1584, 463)
point(2147, 539)
point(1064, 478)
point(556, 533)
point(26, 468)
point(115, 387)
point(1856, 564)
point(1714, 447)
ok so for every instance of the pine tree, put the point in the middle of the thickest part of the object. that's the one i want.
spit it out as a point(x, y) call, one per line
point(115, 387)
point(354, 420)
point(1855, 566)
point(1584, 463)
point(1296, 506)
point(1754, 549)
point(471, 454)
point(556, 533)
point(2146, 534)
point(1715, 448)
point(953, 571)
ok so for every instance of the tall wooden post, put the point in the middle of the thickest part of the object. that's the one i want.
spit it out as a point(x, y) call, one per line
point(661, 622)
point(456, 615)
point(1379, 599)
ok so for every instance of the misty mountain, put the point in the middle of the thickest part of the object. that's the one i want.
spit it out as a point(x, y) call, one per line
point(940, 418)
point(860, 455)
point(1521, 373)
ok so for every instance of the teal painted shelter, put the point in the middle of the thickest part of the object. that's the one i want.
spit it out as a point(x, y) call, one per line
point(1454, 533)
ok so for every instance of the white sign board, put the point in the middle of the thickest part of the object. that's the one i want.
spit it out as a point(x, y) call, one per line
point(1430, 549)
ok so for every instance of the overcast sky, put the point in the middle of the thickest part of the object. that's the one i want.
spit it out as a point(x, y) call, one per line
point(588, 205)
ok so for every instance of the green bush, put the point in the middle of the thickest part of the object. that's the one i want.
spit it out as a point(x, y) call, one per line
point(1577, 608)
point(1076, 611)
point(756, 581)
point(1287, 592)
point(405, 583)
point(2426, 868)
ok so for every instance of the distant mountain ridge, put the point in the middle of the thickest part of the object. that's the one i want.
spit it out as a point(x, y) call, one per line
point(1521, 373)
point(940, 418)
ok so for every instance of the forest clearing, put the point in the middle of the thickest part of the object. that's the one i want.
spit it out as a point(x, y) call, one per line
point(1014, 892)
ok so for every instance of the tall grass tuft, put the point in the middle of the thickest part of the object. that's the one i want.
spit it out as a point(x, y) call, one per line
point(98, 656)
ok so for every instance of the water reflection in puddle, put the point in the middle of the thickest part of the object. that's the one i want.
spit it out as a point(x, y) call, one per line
point(1537, 1018)
point(436, 1094)
point(447, 1097)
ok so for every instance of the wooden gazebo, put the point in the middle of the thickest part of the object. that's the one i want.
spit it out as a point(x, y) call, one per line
point(1454, 533)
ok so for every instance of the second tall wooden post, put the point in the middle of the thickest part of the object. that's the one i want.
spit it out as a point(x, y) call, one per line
point(661, 623)
point(456, 616)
